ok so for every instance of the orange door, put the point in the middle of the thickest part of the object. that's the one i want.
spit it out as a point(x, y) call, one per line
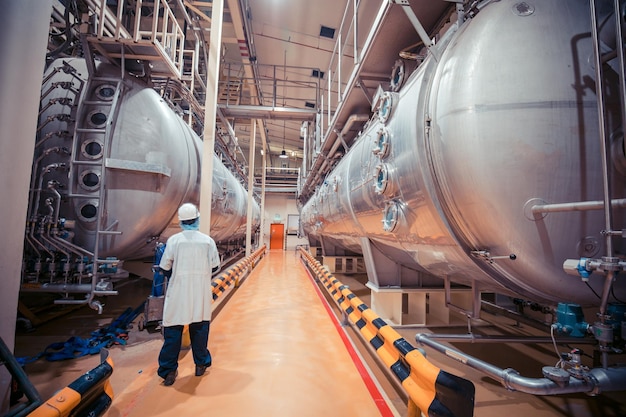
point(277, 235)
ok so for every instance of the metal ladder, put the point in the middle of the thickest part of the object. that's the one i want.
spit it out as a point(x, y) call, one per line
point(86, 129)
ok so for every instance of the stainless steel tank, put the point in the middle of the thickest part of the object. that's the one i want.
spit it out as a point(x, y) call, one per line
point(444, 176)
point(114, 162)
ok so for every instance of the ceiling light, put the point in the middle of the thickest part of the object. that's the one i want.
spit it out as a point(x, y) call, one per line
point(283, 154)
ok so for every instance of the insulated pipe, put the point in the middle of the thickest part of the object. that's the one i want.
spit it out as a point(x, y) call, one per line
point(594, 382)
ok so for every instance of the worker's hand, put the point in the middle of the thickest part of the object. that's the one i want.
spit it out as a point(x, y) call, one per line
point(166, 273)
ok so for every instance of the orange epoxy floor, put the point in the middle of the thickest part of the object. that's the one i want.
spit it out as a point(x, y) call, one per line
point(247, 375)
point(276, 352)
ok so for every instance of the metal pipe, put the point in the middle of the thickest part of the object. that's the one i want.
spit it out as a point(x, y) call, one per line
point(594, 382)
point(619, 48)
point(499, 310)
point(95, 305)
point(33, 225)
point(478, 338)
point(45, 170)
point(74, 248)
point(578, 206)
point(417, 25)
point(30, 242)
point(606, 180)
point(57, 207)
point(51, 243)
point(63, 288)
point(602, 131)
point(47, 238)
point(355, 40)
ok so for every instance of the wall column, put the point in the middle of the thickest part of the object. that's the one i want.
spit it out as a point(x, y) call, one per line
point(24, 28)
point(210, 115)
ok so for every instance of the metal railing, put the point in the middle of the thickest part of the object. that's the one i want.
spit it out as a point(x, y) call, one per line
point(338, 79)
point(272, 83)
point(148, 24)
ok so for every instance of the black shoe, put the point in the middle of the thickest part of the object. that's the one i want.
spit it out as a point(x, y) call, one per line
point(200, 369)
point(170, 378)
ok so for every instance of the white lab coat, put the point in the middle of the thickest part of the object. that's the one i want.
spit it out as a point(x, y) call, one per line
point(189, 294)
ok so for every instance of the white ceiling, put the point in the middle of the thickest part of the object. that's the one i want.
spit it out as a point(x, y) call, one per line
point(286, 34)
point(271, 48)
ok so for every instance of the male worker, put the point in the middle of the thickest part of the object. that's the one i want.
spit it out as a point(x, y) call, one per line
point(191, 256)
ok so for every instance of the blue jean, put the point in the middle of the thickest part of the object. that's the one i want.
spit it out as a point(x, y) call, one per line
point(173, 335)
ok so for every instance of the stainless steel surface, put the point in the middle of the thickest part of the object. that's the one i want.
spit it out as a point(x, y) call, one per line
point(593, 382)
point(505, 120)
point(128, 165)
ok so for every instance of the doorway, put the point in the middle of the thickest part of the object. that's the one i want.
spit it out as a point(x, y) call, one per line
point(277, 235)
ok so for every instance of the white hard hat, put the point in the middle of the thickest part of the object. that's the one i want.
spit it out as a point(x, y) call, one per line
point(188, 211)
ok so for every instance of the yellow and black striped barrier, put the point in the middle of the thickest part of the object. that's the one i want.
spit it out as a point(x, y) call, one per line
point(89, 395)
point(226, 279)
point(431, 390)
point(236, 272)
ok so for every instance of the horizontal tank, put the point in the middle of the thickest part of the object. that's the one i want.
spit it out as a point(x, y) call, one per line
point(113, 163)
point(444, 176)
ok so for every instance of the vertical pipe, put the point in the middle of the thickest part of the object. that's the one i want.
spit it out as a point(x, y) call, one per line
point(262, 225)
point(274, 88)
point(250, 187)
point(355, 21)
point(602, 131)
point(340, 56)
point(619, 47)
point(302, 169)
point(320, 123)
point(328, 101)
point(155, 21)
point(210, 106)
point(118, 23)
point(101, 20)
point(608, 282)
point(136, 34)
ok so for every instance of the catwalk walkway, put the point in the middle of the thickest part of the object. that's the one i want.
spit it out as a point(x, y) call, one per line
point(277, 350)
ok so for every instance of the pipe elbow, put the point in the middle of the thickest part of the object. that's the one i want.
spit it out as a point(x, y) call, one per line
point(96, 305)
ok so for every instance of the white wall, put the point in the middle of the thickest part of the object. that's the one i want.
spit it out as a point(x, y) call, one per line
point(280, 206)
point(24, 31)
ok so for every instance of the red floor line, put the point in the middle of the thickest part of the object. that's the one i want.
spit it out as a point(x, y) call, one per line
point(378, 398)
